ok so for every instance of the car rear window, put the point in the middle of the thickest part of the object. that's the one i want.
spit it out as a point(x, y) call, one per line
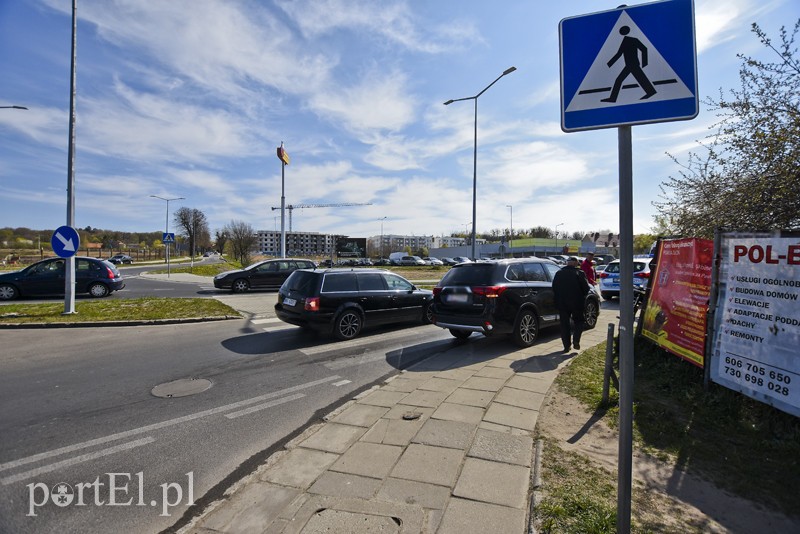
point(612, 268)
point(301, 281)
point(339, 282)
point(471, 274)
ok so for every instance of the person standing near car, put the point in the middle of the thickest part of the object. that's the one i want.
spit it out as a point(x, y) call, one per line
point(570, 288)
point(587, 266)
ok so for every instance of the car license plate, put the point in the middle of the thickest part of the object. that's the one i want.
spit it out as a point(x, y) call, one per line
point(457, 299)
point(289, 302)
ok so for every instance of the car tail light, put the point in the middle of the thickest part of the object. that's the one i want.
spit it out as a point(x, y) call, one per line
point(603, 275)
point(490, 292)
point(642, 275)
point(109, 273)
point(436, 290)
point(311, 304)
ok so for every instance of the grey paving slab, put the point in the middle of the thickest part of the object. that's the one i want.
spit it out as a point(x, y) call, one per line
point(401, 383)
point(368, 459)
point(502, 447)
point(455, 374)
point(494, 427)
point(483, 383)
point(393, 431)
point(427, 399)
point(360, 415)
point(459, 412)
point(333, 437)
point(299, 468)
point(471, 397)
point(529, 384)
point(445, 385)
point(494, 482)
point(408, 518)
point(520, 397)
point(434, 465)
point(398, 411)
point(327, 521)
point(496, 372)
point(345, 485)
point(251, 509)
point(441, 433)
point(383, 397)
point(462, 516)
point(411, 492)
point(513, 416)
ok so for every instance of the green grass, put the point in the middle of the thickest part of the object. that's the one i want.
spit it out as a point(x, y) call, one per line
point(143, 309)
point(743, 446)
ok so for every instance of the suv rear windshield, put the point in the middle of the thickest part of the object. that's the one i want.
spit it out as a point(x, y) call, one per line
point(301, 281)
point(637, 266)
point(471, 274)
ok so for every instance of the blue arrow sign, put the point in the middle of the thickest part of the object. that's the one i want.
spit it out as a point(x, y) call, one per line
point(65, 241)
point(630, 65)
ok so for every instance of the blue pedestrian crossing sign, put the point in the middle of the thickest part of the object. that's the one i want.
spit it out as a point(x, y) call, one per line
point(65, 241)
point(168, 237)
point(630, 65)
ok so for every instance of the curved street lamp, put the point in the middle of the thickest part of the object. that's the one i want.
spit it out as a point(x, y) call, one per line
point(382, 219)
point(475, 150)
point(13, 107)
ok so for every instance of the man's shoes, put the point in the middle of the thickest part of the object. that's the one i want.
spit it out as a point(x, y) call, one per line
point(566, 348)
point(577, 345)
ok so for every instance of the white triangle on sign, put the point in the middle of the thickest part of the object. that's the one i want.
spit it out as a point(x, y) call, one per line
point(599, 80)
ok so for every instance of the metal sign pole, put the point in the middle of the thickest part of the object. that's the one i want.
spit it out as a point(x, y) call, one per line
point(625, 331)
point(69, 289)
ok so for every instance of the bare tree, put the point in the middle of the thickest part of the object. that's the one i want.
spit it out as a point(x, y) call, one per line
point(242, 239)
point(220, 238)
point(194, 226)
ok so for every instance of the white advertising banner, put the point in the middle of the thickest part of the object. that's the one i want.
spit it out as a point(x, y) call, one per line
point(756, 344)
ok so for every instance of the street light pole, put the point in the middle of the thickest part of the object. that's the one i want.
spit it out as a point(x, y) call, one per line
point(382, 219)
point(511, 237)
point(475, 151)
point(558, 251)
point(166, 226)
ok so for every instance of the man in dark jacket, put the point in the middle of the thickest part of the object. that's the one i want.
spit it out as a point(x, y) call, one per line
point(570, 288)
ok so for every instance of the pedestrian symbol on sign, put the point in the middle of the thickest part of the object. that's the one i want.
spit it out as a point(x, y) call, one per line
point(629, 51)
point(653, 78)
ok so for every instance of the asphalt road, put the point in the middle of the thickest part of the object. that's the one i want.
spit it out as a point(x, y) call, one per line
point(77, 407)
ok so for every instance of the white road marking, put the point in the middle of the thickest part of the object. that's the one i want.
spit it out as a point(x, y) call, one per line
point(259, 407)
point(163, 424)
point(357, 342)
point(341, 383)
point(76, 460)
point(268, 320)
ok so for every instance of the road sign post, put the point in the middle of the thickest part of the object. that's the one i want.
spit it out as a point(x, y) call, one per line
point(65, 242)
point(627, 66)
point(167, 239)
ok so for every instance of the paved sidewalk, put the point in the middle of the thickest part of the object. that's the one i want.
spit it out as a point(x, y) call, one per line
point(445, 446)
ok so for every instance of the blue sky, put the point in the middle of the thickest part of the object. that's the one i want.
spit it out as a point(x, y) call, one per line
point(191, 98)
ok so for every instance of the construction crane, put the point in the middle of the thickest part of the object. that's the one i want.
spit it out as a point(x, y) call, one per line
point(291, 207)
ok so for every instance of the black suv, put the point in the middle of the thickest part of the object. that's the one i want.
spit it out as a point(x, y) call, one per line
point(513, 296)
point(343, 301)
point(267, 274)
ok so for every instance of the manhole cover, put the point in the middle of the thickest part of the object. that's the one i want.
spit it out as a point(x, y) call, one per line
point(181, 388)
point(326, 521)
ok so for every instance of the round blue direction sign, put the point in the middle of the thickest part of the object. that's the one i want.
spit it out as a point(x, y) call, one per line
point(65, 241)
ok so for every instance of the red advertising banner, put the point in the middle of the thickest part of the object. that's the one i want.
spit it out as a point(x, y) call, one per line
point(675, 315)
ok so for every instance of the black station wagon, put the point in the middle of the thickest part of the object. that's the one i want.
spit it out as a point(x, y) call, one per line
point(344, 301)
point(492, 297)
